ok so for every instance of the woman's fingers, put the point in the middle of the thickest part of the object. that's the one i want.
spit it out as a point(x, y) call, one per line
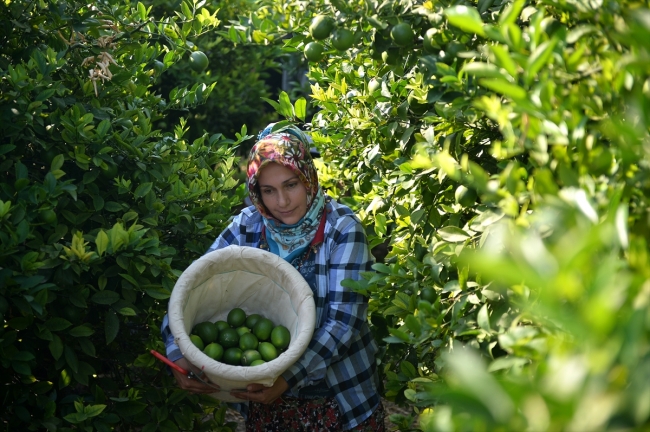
point(262, 394)
point(190, 384)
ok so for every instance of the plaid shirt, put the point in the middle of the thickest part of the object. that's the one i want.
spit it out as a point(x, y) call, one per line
point(342, 349)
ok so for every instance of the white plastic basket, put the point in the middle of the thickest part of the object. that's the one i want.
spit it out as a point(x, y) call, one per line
point(256, 281)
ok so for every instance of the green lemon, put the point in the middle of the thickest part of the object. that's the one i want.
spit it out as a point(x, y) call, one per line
point(207, 331)
point(242, 330)
point(197, 341)
point(465, 197)
point(232, 356)
point(229, 338)
point(314, 52)
point(268, 351)
point(280, 337)
point(248, 341)
point(214, 351)
point(321, 27)
point(48, 216)
point(343, 39)
point(250, 356)
point(257, 362)
point(236, 317)
point(429, 41)
point(402, 34)
point(428, 294)
point(222, 325)
point(198, 61)
point(263, 329)
point(252, 319)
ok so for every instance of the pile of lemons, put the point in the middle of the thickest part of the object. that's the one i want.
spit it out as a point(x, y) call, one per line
point(241, 340)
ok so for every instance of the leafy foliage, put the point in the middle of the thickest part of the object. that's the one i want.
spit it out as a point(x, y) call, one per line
point(99, 214)
point(501, 160)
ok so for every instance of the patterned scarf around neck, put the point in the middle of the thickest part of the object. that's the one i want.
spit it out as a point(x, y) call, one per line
point(289, 147)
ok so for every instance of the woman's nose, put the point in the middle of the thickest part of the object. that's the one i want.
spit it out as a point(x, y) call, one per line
point(283, 199)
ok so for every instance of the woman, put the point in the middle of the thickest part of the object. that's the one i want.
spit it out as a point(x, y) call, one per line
point(333, 386)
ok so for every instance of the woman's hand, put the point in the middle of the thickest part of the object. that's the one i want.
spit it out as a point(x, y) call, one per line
point(189, 384)
point(262, 394)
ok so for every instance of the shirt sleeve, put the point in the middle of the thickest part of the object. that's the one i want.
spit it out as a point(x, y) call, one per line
point(346, 309)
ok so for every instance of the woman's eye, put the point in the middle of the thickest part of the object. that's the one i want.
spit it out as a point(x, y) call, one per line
point(292, 185)
point(266, 191)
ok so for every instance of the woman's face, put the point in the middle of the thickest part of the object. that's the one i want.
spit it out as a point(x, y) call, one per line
point(282, 193)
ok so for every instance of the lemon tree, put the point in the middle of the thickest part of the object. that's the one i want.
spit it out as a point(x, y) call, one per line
point(342, 39)
point(314, 51)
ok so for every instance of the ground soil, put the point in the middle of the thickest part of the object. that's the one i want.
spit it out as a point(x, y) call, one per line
point(391, 408)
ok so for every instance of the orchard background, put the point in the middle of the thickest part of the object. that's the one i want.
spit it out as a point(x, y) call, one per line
point(497, 153)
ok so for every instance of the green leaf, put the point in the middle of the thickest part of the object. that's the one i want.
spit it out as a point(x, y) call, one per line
point(56, 347)
point(504, 87)
point(408, 369)
point(539, 58)
point(511, 12)
point(466, 18)
point(187, 12)
point(111, 326)
point(453, 234)
point(483, 319)
point(143, 189)
point(57, 162)
point(301, 108)
point(57, 324)
point(102, 242)
point(286, 109)
point(81, 331)
point(105, 297)
point(482, 70)
point(142, 11)
point(94, 410)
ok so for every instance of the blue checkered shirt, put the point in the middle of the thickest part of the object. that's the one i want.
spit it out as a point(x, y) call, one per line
point(342, 349)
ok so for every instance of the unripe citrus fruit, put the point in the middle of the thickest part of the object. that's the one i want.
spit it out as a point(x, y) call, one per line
point(207, 331)
point(268, 351)
point(197, 341)
point(257, 362)
point(252, 319)
point(429, 43)
point(263, 329)
point(280, 337)
point(48, 216)
point(236, 317)
point(242, 330)
point(229, 338)
point(222, 325)
point(321, 27)
point(314, 52)
point(198, 61)
point(232, 356)
point(402, 34)
point(214, 351)
point(249, 357)
point(342, 39)
point(248, 341)
point(428, 294)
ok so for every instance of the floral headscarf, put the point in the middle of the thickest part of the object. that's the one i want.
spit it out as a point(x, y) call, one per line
point(289, 147)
